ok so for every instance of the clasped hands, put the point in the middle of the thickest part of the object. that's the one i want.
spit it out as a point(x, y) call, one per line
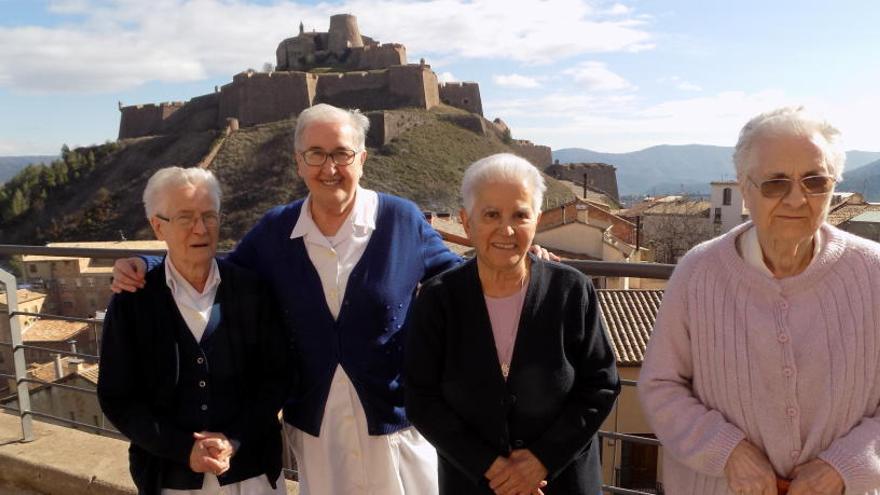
point(520, 474)
point(210, 453)
point(749, 472)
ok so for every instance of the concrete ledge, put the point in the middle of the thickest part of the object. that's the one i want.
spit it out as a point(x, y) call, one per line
point(65, 461)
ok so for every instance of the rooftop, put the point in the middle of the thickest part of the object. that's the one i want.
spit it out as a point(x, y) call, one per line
point(52, 331)
point(24, 296)
point(628, 316)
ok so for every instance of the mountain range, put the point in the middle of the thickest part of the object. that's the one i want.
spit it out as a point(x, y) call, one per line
point(667, 169)
point(11, 165)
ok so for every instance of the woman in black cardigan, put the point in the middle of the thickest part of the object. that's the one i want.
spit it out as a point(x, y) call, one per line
point(509, 373)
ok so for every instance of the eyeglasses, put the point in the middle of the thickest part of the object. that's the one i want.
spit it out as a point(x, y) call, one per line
point(318, 157)
point(813, 185)
point(188, 220)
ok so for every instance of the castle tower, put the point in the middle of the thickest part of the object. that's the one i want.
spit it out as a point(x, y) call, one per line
point(343, 34)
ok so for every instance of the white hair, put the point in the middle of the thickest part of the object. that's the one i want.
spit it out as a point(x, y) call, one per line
point(789, 121)
point(502, 167)
point(325, 113)
point(166, 179)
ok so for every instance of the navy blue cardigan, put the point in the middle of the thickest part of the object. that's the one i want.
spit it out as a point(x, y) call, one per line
point(368, 337)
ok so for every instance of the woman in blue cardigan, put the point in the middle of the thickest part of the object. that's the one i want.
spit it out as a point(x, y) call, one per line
point(508, 371)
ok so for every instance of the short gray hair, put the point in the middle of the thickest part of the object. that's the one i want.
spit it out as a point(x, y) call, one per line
point(165, 179)
point(325, 113)
point(502, 167)
point(791, 121)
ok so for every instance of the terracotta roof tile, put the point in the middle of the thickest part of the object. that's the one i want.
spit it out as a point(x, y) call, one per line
point(53, 330)
point(628, 316)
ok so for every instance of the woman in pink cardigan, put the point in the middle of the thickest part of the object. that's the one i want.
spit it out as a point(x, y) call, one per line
point(762, 372)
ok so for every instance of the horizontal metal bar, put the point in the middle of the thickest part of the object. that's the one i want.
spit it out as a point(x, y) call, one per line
point(71, 422)
point(621, 269)
point(73, 252)
point(51, 350)
point(628, 383)
point(46, 316)
point(61, 385)
point(589, 267)
point(629, 438)
point(10, 408)
point(624, 491)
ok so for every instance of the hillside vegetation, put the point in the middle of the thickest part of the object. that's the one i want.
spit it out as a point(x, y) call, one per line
point(256, 169)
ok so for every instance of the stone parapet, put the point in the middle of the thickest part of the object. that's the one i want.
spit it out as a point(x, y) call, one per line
point(65, 461)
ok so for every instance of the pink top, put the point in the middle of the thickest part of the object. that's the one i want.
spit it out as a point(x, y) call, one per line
point(791, 364)
point(504, 314)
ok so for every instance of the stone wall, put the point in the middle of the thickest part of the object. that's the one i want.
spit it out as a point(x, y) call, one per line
point(257, 97)
point(464, 95)
point(600, 176)
point(471, 122)
point(379, 57)
point(386, 125)
point(540, 156)
point(145, 120)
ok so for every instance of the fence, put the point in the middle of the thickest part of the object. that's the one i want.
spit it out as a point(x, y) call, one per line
point(23, 382)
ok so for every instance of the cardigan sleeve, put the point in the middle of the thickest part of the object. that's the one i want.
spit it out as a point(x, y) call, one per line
point(437, 257)
point(696, 435)
point(425, 405)
point(595, 389)
point(856, 455)
point(121, 393)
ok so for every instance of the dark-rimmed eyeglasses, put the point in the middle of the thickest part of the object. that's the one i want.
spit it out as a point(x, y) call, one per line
point(318, 157)
point(188, 220)
point(813, 185)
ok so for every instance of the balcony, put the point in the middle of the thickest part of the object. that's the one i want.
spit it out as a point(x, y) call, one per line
point(73, 449)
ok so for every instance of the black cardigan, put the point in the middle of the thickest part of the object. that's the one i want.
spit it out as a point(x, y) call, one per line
point(563, 380)
point(140, 391)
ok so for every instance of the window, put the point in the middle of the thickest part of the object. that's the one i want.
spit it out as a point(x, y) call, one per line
point(717, 215)
point(77, 282)
point(638, 466)
point(90, 281)
point(728, 194)
point(32, 268)
point(61, 281)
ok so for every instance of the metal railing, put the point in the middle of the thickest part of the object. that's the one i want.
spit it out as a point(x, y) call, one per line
point(23, 382)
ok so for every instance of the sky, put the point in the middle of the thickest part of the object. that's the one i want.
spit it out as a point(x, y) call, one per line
point(611, 76)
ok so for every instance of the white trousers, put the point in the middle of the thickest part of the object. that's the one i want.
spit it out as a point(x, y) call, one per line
point(346, 460)
point(257, 485)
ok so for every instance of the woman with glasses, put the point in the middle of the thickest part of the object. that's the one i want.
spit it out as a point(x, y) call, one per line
point(762, 373)
point(194, 367)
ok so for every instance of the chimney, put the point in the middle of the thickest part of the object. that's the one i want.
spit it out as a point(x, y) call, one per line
point(59, 368)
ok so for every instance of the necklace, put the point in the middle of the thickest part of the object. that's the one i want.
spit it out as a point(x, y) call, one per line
point(505, 355)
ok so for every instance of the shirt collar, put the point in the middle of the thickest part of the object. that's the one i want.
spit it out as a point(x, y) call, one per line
point(178, 284)
point(362, 216)
point(753, 255)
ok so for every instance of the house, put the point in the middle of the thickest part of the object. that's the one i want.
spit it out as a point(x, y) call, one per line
point(728, 208)
point(672, 225)
point(77, 286)
point(853, 214)
point(28, 301)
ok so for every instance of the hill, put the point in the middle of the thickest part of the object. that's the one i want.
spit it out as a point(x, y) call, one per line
point(256, 169)
point(864, 180)
point(668, 169)
point(11, 165)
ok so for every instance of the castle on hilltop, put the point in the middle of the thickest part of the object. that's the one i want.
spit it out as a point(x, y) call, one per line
point(340, 67)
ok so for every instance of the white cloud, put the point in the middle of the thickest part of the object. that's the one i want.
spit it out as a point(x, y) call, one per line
point(680, 83)
point(109, 45)
point(446, 77)
point(516, 81)
point(619, 9)
point(595, 76)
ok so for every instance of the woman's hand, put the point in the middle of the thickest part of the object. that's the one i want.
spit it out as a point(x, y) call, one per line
point(816, 477)
point(516, 475)
point(128, 275)
point(748, 471)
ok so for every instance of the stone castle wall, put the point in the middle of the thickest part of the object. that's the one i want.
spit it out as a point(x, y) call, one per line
point(255, 98)
point(539, 156)
point(145, 120)
point(464, 95)
point(600, 176)
point(386, 125)
point(378, 57)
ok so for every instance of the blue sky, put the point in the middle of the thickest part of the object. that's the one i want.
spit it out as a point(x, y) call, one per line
point(605, 75)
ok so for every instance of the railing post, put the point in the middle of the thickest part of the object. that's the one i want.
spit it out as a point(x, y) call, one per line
point(24, 397)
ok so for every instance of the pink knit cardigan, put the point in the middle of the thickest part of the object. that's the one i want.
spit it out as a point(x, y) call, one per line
point(792, 365)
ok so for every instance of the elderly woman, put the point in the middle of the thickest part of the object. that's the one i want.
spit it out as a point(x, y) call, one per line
point(763, 368)
point(508, 371)
point(193, 367)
